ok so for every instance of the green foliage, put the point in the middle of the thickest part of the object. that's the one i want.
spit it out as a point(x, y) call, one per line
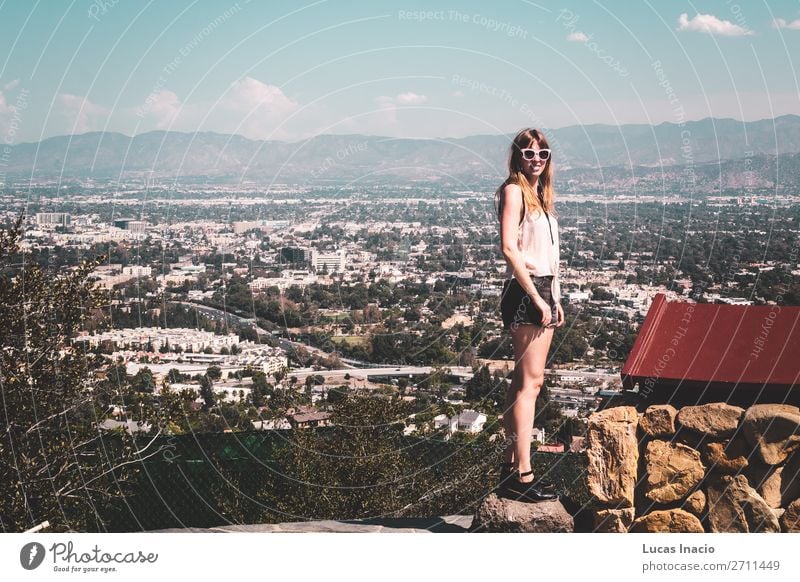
point(261, 389)
point(143, 380)
point(54, 464)
point(363, 466)
point(214, 372)
point(483, 389)
point(207, 392)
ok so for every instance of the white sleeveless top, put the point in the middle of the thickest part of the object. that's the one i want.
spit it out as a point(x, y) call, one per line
point(538, 242)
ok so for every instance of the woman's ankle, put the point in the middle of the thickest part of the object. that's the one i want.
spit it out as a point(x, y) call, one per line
point(522, 477)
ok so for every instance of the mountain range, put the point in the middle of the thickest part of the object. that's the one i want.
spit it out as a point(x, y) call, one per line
point(738, 146)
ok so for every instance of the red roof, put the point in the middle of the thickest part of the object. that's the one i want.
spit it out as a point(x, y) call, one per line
point(698, 345)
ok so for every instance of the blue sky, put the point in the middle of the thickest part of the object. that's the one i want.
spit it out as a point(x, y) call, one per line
point(289, 70)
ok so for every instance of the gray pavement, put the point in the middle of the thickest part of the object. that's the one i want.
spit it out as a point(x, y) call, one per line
point(446, 524)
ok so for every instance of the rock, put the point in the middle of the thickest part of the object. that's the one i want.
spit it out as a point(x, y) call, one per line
point(770, 488)
point(717, 458)
point(791, 517)
point(774, 429)
point(658, 420)
point(497, 514)
point(613, 454)
point(715, 420)
point(695, 503)
point(790, 480)
point(667, 520)
point(672, 469)
point(734, 506)
point(613, 520)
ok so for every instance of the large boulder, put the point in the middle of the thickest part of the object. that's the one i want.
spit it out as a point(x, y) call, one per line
point(613, 520)
point(672, 469)
point(770, 486)
point(695, 503)
point(714, 420)
point(667, 520)
point(658, 420)
point(497, 514)
point(734, 506)
point(790, 480)
point(778, 485)
point(613, 454)
point(791, 517)
point(774, 429)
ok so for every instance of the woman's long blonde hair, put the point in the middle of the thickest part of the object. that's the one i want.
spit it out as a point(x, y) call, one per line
point(534, 200)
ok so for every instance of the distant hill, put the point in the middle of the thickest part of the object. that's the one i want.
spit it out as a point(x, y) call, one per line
point(371, 159)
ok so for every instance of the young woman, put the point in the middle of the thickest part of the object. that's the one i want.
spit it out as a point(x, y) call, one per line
point(530, 303)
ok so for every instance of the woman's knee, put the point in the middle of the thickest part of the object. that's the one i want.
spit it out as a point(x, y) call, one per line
point(532, 384)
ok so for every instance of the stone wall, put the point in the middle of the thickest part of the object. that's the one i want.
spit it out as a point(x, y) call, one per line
point(707, 468)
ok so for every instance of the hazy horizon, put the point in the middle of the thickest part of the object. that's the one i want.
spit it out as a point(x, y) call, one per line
point(280, 71)
point(513, 132)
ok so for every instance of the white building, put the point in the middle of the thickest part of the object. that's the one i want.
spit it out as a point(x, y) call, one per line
point(577, 296)
point(144, 338)
point(277, 424)
point(470, 421)
point(443, 421)
point(332, 262)
point(53, 218)
point(137, 271)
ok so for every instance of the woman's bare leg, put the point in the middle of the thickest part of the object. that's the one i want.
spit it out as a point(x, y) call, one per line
point(531, 344)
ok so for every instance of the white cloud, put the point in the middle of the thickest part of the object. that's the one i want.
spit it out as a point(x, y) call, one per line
point(164, 106)
point(255, 109)
point(248, 107)
point(7, 112)
point(407, 98)
point(781, 23)
point(411, 99)
point(389, 105)
point(711, 24)
point(251, 94)
point(577, 37)
point(81, 114)
point(5, 108)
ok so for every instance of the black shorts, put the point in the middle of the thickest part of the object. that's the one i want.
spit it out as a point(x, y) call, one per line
point(518, 308)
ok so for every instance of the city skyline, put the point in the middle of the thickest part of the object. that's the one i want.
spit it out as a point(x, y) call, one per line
point(289, 72)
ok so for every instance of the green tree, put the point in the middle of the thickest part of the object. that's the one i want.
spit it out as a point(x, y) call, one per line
point(174, 376)
point(214, 372)
point(261, 389)
point(53, 466)
point(143, 381)
point(207, 392)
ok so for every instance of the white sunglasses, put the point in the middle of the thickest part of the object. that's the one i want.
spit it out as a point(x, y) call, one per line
point(530, 154)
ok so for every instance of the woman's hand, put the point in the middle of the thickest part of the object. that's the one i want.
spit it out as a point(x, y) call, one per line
point(559, 315)
point(547, 314)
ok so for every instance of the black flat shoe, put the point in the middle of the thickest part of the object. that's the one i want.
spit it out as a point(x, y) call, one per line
point(507, 470)
point(531, 492)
